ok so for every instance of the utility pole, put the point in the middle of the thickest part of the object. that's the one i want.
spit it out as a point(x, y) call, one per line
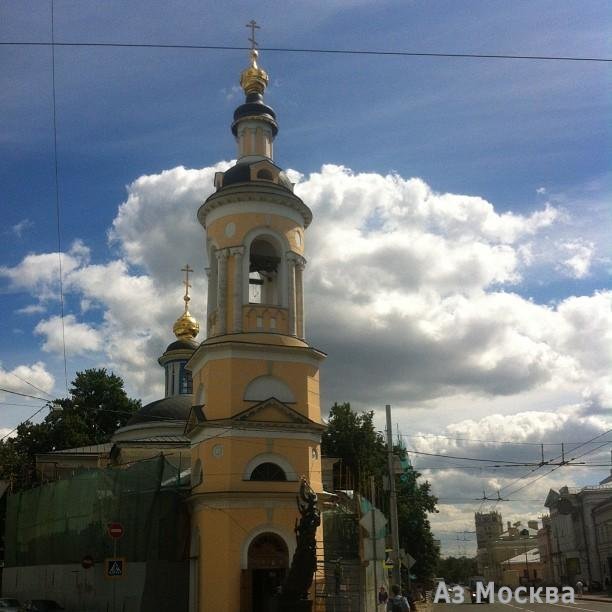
point(374, 551)
point(395, 556)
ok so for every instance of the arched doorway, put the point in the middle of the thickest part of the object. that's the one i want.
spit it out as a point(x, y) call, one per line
point(268, 560)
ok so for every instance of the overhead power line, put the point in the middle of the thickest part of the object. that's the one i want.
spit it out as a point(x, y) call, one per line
point(23, 394)
point(554, 469)
point(57, 196)
point(27, 382)
point(5, 436)
point(562, 457)
point(484, 441)
point(372, 52)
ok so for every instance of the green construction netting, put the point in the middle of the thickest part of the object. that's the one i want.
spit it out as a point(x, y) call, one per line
point(341, 533)
point(65, 521)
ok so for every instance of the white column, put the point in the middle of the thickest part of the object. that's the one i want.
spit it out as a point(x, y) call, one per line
point(299, 296)
point(208, 303)
point(292, 320)
point(222, 255)
point(237, 253)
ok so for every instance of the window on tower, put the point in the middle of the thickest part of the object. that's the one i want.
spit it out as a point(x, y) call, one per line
point(186, 382)
point(264, 265)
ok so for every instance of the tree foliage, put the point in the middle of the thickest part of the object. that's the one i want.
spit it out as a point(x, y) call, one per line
point(457, 569)
point(96, 407)
point(352, 438)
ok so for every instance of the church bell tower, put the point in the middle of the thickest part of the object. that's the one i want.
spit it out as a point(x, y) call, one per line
point(255, 427)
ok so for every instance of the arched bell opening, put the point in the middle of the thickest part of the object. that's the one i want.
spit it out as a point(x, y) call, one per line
point(264, 272)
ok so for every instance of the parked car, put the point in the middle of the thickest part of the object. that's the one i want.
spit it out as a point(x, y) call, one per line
point(41, 605)
point(8, 604)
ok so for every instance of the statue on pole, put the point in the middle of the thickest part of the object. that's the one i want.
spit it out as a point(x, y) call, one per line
point(294, 595)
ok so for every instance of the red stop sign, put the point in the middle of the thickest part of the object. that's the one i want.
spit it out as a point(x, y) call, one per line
point(115, 530)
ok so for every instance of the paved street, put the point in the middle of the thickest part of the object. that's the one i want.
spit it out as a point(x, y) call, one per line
point(580, 605)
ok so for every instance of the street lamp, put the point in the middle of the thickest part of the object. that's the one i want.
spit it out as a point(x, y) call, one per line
point(525, 534)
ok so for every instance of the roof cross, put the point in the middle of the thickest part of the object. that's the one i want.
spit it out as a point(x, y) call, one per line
point(186, 270)
point(253, 25)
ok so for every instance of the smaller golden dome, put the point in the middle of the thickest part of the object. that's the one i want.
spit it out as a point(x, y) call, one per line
point(186, 326)
point(254, 79)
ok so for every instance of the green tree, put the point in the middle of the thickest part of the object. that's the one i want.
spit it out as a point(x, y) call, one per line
point(96, 407)
point(414, 503)
point(457, 569)
point(353, 438)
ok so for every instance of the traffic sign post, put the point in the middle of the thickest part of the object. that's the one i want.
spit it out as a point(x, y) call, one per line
point(114, 530)
point(115, 567)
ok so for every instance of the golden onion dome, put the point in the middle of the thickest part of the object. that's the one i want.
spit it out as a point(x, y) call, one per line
point(186, 327)
point(254, 79)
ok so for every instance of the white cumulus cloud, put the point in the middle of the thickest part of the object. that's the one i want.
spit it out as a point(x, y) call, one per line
point(17, 379)
point(79, 337)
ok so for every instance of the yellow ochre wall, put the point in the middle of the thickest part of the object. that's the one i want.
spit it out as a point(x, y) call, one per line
point(226, 535)
point(247, 221)
point(226, 472)
point(225, 381)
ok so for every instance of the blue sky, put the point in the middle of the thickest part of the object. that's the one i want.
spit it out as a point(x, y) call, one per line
point(505, 224)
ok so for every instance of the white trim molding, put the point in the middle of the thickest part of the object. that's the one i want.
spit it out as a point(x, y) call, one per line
point(270, 458)
point(289, 540)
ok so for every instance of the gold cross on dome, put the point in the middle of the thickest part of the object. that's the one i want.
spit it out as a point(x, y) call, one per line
point(253, 25)
point(186, 270)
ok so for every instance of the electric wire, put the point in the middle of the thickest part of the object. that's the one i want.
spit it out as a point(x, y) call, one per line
point(57, 195)
point(42, 399)
point(554, 469)
point(314, 50)
point(5, 436)
point(27, 382)
point(555, 458)
point(481, 441)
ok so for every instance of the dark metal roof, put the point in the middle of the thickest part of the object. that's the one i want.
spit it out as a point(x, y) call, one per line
point(189, 345)
point(254, 107)
point(241, 173)
point(174, 408)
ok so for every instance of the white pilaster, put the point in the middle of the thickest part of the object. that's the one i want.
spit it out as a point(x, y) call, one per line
point(291, 261)
point(237, 253)
point(299, 294)
point(222, 256)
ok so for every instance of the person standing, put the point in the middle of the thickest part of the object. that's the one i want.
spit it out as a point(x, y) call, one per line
point(383, 596)
point(397, 602)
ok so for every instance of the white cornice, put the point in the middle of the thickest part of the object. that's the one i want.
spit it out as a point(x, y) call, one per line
point(245, 193)
point(244, 350)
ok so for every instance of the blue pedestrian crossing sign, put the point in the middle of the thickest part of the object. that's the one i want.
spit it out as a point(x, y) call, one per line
point(115, 567)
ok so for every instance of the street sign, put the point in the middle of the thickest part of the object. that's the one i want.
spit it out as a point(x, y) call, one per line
point(407, 559)
point(368, 549)
point(115, 530)
point(115, 567)
point(379, 519)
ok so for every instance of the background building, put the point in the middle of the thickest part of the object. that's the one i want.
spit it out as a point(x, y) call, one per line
point(496, 546)
point(580, 535)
